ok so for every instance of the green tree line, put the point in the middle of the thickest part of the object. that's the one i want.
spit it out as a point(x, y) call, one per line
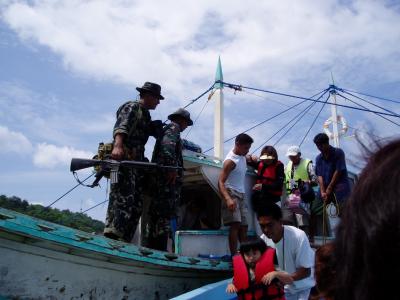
point(63, 217)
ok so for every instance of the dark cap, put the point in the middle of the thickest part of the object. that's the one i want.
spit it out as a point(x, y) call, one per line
point(152, 88)
point(181, 113)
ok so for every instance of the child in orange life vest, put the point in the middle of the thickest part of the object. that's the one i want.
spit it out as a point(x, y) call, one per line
point(254, 275)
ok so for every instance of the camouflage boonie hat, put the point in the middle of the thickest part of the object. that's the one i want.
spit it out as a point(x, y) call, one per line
point(152, 88)
point(181, 113)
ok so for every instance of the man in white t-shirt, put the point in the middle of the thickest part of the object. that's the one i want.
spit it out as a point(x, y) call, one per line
point(231, 187)
point(295, 256)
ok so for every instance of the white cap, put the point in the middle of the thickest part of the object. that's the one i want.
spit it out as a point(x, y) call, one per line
point(293, 151)
point(266, 156)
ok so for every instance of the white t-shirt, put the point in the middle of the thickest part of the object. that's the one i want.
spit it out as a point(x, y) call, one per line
point(296, 253)
point(236, 178)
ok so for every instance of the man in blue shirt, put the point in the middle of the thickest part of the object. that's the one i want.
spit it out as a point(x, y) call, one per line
point(330, 168)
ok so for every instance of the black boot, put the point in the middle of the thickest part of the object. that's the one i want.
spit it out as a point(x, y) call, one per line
point(159, 242)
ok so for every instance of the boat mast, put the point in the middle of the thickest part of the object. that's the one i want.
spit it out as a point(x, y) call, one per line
point(218, 96)
point(335, 131)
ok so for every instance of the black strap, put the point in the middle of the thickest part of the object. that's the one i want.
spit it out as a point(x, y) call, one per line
point(292, 171)
point(254, 287)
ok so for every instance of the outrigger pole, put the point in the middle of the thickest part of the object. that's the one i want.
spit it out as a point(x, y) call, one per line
point(218, 96)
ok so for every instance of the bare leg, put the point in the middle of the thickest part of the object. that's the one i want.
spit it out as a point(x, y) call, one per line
point(243, 233)
point(233, 237)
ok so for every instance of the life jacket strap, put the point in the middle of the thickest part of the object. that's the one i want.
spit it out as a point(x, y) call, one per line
point(260, 286)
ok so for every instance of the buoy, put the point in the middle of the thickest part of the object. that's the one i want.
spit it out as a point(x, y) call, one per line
point(340, 120)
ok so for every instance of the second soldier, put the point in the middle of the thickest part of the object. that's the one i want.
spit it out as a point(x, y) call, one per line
point(168, 152)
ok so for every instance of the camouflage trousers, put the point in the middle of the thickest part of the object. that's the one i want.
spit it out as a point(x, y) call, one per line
point(125, 205)
point(162, 209)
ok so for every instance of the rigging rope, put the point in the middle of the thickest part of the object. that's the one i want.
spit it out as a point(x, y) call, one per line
point(383, 117)
point(380, 98)
point(314, 115)
point(274, 116)
point(281, 129)
point(94, 206)
point(266, 98)
point(195, 99)
point(230, 85)
point(59, 198)
point(315, 119)
point(198, 115)
point(317, 116)
point(258, 124)
point(370, 103)
point(298, 120)
point(90, 208)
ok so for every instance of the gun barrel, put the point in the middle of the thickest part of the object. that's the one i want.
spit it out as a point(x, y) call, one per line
point(82, 163)
point(147, 165)
point(138, 164)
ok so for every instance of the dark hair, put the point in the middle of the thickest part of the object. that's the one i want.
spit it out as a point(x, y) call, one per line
point(270, 210)
point(253, 244)
point(270, 150)
point(325, 276)
point(321, 138)
point(243, 139)
point(367, 243)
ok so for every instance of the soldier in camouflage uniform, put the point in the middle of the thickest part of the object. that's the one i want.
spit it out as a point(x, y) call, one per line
point(131, 132)
point(167, 151)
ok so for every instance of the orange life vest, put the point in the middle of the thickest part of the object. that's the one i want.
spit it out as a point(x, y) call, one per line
point(256, 290)
point(267, 175)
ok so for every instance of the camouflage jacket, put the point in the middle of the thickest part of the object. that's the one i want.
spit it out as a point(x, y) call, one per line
point(133, 120)
point(168, 148)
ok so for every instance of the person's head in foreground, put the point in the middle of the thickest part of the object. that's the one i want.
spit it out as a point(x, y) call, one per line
point(367, 244)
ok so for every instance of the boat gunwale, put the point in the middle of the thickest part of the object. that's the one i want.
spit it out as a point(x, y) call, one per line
point(131, 252)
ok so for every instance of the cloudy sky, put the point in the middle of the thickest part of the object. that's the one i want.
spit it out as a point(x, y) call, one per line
point(66, 66)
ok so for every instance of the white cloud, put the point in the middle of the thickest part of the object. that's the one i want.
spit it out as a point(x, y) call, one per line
point(274, 42)
point(41, 116)
point(50, 156)
point(13, 142)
